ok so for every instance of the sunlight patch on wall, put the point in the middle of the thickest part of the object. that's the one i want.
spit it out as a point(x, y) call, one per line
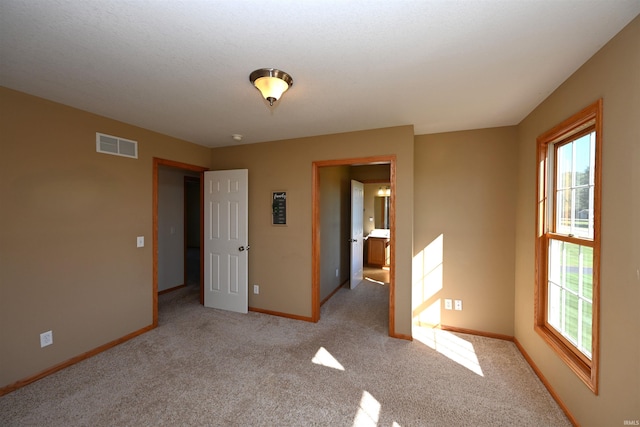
point(368, 411)
point(450, 345)
point(427, 282)
point(324, 358)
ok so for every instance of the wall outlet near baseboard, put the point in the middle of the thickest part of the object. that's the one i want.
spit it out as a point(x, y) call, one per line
point(256, 289)
point(457, 304)
point(46, 338)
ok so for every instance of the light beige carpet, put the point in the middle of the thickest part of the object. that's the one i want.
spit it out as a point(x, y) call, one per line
point(206, 367)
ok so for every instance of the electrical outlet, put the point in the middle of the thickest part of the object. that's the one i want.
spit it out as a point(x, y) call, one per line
point(448, 304)
point(458, 304)
point(46, 338)
point(256, 289)
point(337, 272)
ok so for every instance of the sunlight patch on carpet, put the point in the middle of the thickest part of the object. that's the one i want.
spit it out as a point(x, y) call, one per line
point(450, 345)
point(369, 279)
point(324, 358)
point(368, 411)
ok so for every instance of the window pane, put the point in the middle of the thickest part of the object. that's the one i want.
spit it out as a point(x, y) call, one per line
point(554, 275)
point(554, 306)
point(587, 319)
point(587, 273)
point(565, 162)
point(563, 211)
point(564, 264)
point(570, 292)
point(582, 159)
point(583, 176)
point(571, 317)
point(583, 211)
point(583, 203)
point(571, 265)
point(574, 183)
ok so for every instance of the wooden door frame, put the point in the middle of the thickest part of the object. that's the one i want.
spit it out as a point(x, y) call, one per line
point(315, 227)
point(157, 162)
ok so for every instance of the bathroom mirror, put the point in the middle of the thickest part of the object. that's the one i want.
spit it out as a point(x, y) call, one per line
point(381, 212)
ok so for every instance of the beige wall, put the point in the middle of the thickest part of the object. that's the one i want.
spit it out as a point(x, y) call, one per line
point(464, 210)
point(335, 213)
point(68, 227)
point(614, 75)
point(280, 259)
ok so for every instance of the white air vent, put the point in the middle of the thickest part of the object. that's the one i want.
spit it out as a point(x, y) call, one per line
point(118, 146)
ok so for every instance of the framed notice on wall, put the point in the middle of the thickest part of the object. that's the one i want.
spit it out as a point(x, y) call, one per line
point(279, 208)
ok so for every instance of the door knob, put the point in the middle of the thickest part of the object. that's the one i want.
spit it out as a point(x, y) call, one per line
point(242, 248)
point(353, 240)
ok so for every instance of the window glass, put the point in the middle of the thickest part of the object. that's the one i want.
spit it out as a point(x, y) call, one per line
point(574, 187)
point(570, 292)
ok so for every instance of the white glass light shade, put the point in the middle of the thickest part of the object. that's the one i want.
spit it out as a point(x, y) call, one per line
point(271, 83)
point(271, 88)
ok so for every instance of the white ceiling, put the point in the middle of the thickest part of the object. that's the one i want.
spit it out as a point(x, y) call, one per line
point(181, 67)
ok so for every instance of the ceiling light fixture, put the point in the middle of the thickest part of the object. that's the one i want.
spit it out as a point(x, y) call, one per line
point(271, 83)
point(386, 191)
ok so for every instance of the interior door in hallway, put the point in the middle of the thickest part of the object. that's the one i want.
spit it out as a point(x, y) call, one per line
point(226, 240)
point(357, 233)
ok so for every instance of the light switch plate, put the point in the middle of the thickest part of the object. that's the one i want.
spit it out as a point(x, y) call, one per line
point(140, 241)
point(448, 304)
point(458, 304)
point(46, 338)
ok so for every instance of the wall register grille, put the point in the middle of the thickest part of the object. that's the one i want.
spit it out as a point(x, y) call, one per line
point(108, 144)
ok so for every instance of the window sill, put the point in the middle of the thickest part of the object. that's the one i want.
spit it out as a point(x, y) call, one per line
point(585, 372)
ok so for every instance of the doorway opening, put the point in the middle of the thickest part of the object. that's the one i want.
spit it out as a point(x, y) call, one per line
point(316, 241)
point(192, 230)
point(199, 170)
point(377, 247)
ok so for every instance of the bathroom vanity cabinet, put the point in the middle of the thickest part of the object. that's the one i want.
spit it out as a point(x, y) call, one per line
point(378, 251)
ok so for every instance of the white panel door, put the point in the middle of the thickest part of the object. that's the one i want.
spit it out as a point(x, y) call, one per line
point(357, 233)
point(226, 241)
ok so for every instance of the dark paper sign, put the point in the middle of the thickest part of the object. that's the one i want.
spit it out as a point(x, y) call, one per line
point(279, 208)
